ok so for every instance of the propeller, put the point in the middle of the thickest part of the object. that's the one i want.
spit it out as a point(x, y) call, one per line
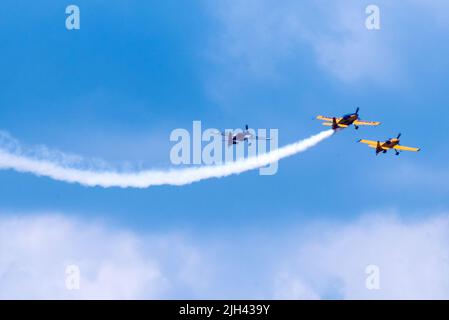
point(246, 127)
point(357, 110)
point(398, 136)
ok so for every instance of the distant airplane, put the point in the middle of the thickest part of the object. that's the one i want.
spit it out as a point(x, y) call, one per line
point(392, 143)
point(234, 138)
point(346, 120)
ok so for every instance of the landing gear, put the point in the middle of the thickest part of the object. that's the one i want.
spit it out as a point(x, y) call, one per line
point(385, 151)
point(397, 152)
point(356, 127)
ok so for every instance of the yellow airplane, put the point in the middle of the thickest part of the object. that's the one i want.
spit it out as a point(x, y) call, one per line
point(392, 143)
point(346, 120)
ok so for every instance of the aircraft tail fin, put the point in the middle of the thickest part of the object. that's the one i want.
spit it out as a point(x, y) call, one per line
point(334, 124)
point(378, 148)
point(230, 140)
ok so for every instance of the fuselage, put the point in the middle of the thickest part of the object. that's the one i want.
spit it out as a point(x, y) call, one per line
point(241, 136)
point(348, 119)
point(389, 144)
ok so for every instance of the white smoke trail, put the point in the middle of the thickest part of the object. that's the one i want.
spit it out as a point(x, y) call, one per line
point(146, 178)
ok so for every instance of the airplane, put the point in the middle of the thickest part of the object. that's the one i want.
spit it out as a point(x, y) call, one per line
point(392, 143)
point(346, 120)
point(234, 138)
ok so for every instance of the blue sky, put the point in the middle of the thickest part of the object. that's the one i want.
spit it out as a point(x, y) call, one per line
point(135, 71)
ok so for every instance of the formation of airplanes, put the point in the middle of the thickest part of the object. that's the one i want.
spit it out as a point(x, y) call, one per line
point(353, 119)
point(337, 123)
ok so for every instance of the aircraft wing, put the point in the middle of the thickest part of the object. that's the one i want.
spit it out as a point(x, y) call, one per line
point(366, 123)
point(258, 138)
point(327, 118)
point(406, 148)
point(368, 142)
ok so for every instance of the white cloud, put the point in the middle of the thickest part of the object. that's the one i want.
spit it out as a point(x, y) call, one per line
point(350, 51)
point(262, 34)
point(35, 250)
point(412, 258)
point(313, 261)
point(257, 37)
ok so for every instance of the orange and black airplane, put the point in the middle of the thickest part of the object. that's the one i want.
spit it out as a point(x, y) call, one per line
point(392, 143)
point(346, 120)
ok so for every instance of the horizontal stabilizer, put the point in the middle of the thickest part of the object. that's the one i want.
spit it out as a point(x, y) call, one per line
point(330, 124)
